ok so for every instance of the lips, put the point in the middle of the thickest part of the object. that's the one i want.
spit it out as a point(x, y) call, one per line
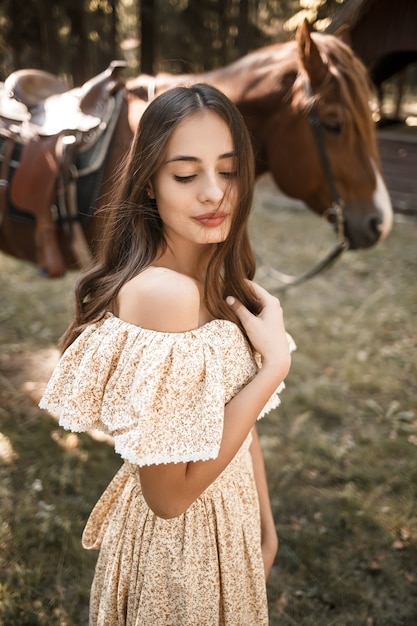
point(211, 219)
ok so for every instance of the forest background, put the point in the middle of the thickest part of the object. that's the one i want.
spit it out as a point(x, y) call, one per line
point(78, 38)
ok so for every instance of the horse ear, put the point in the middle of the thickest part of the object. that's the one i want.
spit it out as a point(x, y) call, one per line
point(309, 54)
point(343, 33)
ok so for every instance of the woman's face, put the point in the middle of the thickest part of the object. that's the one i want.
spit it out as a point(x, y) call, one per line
point(195, 187)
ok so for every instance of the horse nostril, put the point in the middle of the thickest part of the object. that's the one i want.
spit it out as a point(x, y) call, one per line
point(374, 223)
point(362, 231)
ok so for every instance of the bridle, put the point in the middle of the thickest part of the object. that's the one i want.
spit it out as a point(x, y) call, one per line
point(336, 209)
point(334, 214)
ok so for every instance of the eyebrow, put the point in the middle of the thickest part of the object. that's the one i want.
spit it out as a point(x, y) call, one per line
point(227, 155)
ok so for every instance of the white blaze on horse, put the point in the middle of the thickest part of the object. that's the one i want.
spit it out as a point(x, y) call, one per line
point(305, 102)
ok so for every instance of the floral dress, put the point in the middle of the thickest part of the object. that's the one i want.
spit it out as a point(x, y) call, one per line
point(161, 397)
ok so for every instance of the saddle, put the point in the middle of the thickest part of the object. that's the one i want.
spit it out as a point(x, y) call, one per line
point(52, 124)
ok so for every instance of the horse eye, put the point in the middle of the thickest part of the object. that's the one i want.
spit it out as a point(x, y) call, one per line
point(333, 126)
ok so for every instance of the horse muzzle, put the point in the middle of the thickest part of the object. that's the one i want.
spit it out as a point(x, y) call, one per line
point(365, 226)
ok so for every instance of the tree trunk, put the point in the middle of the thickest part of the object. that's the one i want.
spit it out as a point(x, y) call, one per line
point(14, 39)
point(221, 32)
point(49, 45)
point(243, 43)
point(147, 36)
point(80, 63)
point(114, 43)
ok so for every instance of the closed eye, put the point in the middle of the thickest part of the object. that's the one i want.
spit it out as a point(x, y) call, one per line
point(229, 174)
point(184, 179)
point(332, 126)
point(189, 178)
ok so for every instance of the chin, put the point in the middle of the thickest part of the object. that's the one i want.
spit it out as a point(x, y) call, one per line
point(215, 236)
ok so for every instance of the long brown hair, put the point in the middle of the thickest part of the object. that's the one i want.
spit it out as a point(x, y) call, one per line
point(133, 231)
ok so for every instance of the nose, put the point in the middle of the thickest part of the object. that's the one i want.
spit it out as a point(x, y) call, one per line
point(212, 189)
point(362, 231)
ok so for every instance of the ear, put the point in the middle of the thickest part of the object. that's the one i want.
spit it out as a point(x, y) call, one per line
point(309, 54)
point(150, 190)
point(343, 33)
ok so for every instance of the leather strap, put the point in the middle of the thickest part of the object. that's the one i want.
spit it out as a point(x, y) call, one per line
point(4, 175)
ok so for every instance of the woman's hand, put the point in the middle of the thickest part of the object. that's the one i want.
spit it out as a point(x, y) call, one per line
point(266, 331)
point(269, 538)
point(269, 547)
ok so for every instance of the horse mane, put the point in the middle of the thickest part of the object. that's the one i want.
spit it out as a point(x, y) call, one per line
point(351, 77)
point(278, 67)
point(279, 70)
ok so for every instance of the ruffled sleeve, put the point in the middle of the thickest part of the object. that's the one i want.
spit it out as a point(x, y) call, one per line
point(160, 396)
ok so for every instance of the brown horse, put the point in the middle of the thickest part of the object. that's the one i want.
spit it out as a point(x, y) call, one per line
point(306, 104)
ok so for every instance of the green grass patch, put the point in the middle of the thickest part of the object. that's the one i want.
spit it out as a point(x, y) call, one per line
point(340, 451)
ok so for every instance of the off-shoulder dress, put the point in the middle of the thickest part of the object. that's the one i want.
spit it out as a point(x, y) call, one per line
point(161, 396)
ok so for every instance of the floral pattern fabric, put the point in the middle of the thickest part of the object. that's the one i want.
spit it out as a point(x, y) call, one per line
point(161, 396)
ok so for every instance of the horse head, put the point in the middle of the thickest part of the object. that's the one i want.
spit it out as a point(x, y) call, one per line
point(306, 104)
point(317, 136)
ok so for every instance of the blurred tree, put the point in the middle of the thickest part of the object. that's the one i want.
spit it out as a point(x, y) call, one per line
point(148, 35)
point(102, 32)
point(22, 34)
point(243, 42)
point(49, 43)
point(74, 38)
point(78, 38)
point(80, 64)
point(199, 35)
point(317, 12)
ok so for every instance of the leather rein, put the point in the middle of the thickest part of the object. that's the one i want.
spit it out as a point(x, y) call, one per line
point(334, 213)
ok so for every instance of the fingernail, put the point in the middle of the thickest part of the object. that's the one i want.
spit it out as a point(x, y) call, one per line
point(230, 300)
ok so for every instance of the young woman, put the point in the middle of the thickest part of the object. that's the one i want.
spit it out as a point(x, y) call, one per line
point(176, 353)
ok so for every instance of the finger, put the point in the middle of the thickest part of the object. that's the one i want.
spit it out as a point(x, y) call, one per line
point(241, 311)
point(259, 292)
point(256, 289)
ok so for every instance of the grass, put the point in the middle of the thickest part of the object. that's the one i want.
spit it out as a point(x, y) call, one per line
point(340, 451)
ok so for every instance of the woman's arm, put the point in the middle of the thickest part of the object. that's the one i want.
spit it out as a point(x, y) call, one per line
point(169, 489)
point(269, 536)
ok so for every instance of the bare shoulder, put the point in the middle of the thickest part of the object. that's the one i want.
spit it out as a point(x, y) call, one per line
point(160, 299)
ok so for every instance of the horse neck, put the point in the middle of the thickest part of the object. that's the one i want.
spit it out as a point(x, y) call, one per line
point(240, 79)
